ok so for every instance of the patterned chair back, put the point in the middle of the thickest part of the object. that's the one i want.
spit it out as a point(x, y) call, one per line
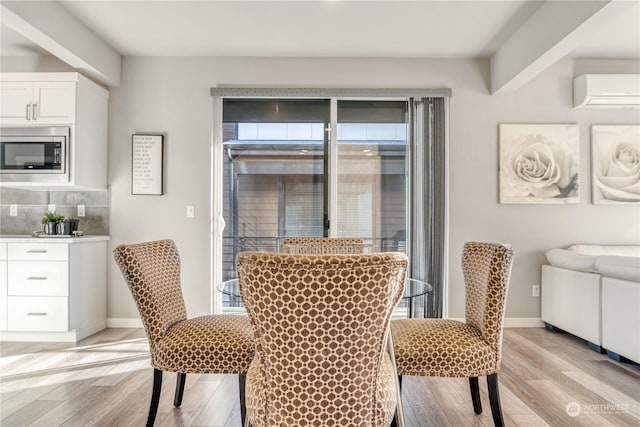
point(152, 272)
point(320, 323)
point(322, 245)
point(487, 268)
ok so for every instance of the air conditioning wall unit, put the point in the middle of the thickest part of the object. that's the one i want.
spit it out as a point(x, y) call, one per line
point(606, 91)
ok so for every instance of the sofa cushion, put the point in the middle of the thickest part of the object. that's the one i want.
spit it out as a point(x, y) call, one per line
point(597, 250)
point(619, 267)
point(571, 260)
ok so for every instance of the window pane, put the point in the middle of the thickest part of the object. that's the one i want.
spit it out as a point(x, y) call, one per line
point(303, 206)
point(372, 187)
point(273, 174)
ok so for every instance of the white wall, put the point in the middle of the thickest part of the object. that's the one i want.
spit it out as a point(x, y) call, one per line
point(32, 63)
point(172, 95)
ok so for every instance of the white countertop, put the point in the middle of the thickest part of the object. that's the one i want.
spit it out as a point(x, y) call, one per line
point(26, 238)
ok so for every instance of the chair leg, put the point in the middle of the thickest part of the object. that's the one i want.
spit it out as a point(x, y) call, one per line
point(398, 421)
point(155, 397)
point(475, 395)
point(180, 381)
point(494, 399)
point(242, 381)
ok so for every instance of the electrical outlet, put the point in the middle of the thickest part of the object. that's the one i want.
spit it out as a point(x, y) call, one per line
point(191, 211)
point(81, 211)
point(13, 210)
point(51, 208)
point(535, 290)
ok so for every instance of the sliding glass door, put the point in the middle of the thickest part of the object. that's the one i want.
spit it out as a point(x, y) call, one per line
point(332, 166)
point(273, 173)
point(287, 173)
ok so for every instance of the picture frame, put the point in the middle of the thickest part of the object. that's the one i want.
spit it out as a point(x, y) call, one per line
point(147, 164)
point(615, 164)
point(539, 163)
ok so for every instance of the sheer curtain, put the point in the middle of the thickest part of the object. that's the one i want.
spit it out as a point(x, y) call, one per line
point(429, 193)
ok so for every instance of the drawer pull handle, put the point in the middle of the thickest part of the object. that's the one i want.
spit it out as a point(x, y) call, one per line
point(37, 313)
point(37, 251)
point(37, 278)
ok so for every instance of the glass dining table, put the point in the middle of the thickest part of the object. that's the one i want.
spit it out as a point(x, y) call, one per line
point(413, 288)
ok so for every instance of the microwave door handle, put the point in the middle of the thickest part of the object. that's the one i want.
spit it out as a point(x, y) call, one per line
point(28, 111)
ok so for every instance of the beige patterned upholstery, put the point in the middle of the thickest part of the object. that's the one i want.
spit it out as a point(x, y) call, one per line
point(322, 245)
point(448, 348)
point(208, 344)
point(320, 323)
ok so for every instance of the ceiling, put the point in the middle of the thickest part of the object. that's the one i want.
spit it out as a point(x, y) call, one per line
point(393, 29)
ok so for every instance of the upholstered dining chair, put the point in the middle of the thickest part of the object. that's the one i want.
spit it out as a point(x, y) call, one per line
point(212, 344)
point(320, 324)
point(449, 348)
point(322, 245)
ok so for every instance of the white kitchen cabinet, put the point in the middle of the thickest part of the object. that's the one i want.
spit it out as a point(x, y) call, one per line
point(61, 99)
point(38, 278)
point(55, 289)
point(3, 286)
point(15, 103)
point(37, 103)
point(30, 314)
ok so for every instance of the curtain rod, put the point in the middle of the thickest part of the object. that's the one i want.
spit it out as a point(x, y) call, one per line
point(331, 92)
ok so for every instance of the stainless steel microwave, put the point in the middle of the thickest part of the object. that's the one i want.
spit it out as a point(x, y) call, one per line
point(39, 154)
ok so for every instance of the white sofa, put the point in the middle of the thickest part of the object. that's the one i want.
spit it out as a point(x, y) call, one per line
point(593, 292)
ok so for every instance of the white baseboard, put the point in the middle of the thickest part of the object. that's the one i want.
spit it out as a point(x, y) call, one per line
point(70, 336)
point(523, 322)
point(124, 323)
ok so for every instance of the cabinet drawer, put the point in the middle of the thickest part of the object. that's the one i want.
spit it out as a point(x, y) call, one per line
point(47, 314)
point(3, 295)
point(38, 278)
point(38, 251)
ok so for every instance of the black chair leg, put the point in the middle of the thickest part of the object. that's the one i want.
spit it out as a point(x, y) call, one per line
point(155, 397)
point(242, 381)
point(475, 395)
point(180, 381)
point(494, 399)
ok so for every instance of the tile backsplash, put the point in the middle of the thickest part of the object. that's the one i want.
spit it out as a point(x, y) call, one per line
point(32, 205)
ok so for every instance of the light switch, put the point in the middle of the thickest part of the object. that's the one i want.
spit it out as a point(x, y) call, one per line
point(191, 211)
point(81, 211)
point(13, 210)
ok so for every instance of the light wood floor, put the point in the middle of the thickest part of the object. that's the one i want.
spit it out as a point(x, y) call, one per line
point(105, 380)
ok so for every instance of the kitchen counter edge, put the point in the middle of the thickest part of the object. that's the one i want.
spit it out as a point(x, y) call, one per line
point(31, 239)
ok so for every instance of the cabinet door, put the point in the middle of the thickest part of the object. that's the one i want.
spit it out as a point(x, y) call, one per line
point(55, 103)
point(37, 278)
point(45, 314)
point(38, 251)
point(3, 294)
point(15, 103)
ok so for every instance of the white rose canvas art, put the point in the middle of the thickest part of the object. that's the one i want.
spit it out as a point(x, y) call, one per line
point(616, 164)
point(539, 163)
